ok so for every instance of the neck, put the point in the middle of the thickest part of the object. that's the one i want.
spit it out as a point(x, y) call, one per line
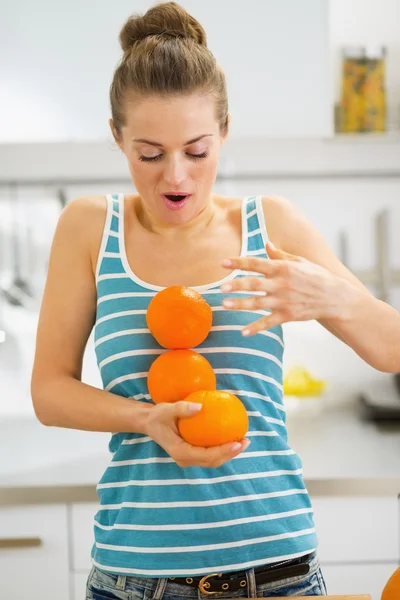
point(176, 231)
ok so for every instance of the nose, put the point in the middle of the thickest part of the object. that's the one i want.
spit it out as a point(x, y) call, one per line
point(175, 171)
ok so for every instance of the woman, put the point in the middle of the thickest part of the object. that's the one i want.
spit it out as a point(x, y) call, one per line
point(176, 520)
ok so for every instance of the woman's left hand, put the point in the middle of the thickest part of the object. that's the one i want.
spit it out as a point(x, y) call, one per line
point(295, 289)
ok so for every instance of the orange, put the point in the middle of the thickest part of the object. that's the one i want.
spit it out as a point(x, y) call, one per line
point(392, 588)
point(222, 419)
point(179, 317)
point(177, 373)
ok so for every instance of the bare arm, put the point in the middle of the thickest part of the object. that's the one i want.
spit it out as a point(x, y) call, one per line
point(368, 325)
point(303, 281)
point(65, 322)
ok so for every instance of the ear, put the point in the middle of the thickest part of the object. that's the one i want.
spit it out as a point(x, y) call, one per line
point(225, 132)
point(114, 133)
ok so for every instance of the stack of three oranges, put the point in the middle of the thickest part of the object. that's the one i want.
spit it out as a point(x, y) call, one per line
point(180, 319)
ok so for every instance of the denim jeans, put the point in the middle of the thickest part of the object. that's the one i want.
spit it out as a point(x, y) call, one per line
point(105, 586)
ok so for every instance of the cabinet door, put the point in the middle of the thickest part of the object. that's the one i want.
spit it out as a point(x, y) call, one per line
point(82, 535)
point(78, 585)
point(357, 579)
point(34, 553)
point(358, 529)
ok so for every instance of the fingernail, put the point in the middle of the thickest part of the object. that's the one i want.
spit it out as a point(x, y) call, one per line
point(226, 263)
point(226, 287)
point(246, 444)
point(246, 332)
point(228, 303)
point(194, 407)
point(235, 447)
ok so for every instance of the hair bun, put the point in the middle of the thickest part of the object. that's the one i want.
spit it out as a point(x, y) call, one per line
point(167, 19)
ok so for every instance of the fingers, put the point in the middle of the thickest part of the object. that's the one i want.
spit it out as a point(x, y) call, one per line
point(276, 318)
point(162, 421)
point(185, 409)
point(221, 454)
point(256, 265)
point(277, 253)
point(255, 284)
point(251, 303)
point(251, 284)
point(186, 455)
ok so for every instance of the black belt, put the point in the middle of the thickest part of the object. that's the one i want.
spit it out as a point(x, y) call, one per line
point(218, 583)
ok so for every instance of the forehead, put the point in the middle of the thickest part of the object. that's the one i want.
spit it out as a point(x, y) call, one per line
point(176, 118)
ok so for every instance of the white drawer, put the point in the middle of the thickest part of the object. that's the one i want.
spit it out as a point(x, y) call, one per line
point(82, 534)
point(34, 552)
point(357, 529)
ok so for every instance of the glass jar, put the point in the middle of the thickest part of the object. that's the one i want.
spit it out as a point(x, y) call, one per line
point(353, 80)
point(363, 100)
point(374, 89)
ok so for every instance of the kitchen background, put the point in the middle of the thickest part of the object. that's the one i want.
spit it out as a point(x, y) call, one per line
point(297, 131)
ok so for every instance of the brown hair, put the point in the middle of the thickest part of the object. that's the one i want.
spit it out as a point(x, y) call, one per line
point(165, 52)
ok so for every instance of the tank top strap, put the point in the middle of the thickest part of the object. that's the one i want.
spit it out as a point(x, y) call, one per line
point(109, 259)
point(256, 231)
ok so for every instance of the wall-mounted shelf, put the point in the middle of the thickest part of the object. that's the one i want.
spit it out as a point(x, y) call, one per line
point(341, 156)
point(387, 137)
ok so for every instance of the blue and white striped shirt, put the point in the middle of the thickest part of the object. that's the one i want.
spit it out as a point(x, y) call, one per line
point(155, 518)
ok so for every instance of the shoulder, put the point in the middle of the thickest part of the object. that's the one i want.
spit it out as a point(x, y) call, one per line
point(228, 203)
point(230, 207)
point(83, 217)
point(82, 222)
point(82, 208)
point(285, 224)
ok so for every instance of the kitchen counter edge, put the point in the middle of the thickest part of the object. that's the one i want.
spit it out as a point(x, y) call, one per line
point(67, 494)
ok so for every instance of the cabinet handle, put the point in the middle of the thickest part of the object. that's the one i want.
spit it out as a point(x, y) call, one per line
point(20, 542)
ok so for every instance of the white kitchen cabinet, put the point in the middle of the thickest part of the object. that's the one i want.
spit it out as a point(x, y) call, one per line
point(358, 529)
point(78, 586)
point(357, 579)
point(82, 535)
point(358, 550)
point(34, 552)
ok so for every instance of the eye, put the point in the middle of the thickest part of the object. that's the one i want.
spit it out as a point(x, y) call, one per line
point(197, 156)
point(150, 158)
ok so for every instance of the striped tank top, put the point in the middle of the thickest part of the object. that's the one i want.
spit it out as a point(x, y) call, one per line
point(157, 519)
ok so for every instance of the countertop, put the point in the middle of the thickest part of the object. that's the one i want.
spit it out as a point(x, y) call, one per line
point(342, 455)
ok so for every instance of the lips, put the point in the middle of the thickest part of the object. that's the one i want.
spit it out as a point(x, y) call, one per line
point(175, 200)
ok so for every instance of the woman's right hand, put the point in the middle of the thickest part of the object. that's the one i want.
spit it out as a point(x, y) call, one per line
point(162, 427)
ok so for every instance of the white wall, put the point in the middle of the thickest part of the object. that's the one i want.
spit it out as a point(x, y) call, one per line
point(57, 60)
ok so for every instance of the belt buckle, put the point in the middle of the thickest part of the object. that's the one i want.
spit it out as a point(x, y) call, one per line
point(204, 584)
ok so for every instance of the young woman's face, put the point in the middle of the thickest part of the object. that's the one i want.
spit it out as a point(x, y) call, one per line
point(172, 146)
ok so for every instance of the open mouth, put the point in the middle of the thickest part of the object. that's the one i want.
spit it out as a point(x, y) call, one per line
point(174, 201)
point(176, 197)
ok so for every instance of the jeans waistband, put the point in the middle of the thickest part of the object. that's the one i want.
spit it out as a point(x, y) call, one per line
point(157, 586)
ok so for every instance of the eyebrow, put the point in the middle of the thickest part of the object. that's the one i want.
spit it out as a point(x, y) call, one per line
point(143, 141)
